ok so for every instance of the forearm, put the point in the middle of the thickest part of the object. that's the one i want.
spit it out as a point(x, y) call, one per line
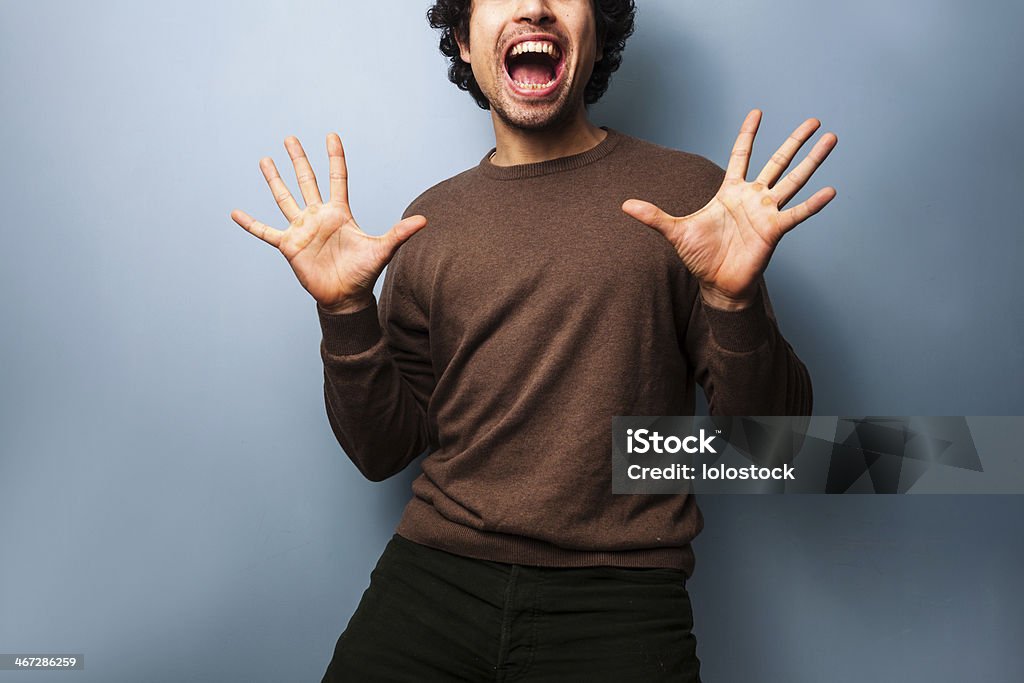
point(745, 365)
point(374, 411)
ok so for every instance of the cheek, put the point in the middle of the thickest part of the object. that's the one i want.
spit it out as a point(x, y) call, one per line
point(589, 55)
point(478, 58)
point(482, 76)
point(589, 50)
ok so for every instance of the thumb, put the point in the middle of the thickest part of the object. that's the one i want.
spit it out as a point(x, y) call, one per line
point(649, 214)
point(403, 230)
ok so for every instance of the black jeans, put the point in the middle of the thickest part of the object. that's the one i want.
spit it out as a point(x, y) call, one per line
point(429, 615)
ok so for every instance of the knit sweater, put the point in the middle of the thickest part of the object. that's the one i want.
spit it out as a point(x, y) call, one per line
point(512, 328)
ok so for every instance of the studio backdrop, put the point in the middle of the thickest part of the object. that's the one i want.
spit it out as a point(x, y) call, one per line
point(173, 504)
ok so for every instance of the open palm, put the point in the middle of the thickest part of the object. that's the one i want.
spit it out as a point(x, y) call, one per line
point(334, 260)
point(727, 244)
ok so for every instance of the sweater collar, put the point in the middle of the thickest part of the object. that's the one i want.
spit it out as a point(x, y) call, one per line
point(574, 161)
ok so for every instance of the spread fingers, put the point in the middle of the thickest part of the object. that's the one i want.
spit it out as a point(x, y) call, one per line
point(282, 196)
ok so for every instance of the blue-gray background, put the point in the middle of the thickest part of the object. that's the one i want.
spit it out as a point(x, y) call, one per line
point(172, 501)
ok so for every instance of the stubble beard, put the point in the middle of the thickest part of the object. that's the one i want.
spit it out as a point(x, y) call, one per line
point(540, 116)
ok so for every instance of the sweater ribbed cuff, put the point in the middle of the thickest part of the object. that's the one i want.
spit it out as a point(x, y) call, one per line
point(346, 334)
point(739, 331)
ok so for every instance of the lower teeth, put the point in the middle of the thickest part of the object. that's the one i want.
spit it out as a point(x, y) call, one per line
point(535, 86)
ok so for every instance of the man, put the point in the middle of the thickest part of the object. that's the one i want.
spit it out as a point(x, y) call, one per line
point(575, 274)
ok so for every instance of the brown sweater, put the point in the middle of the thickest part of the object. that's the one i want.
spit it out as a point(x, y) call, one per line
point(509, 332)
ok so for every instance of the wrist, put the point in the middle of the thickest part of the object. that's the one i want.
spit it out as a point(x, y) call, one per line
point(347, 331)
point(726, 302)
point(739, 330)
point(347, 306)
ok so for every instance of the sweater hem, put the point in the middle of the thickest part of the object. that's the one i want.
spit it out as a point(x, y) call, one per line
point(423, 524)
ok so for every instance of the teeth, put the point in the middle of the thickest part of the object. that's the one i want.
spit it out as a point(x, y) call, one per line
point(541, 46)
point(535, 86)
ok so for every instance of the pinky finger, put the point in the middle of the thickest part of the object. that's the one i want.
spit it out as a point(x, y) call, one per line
point(790, 218)
point(270, 235)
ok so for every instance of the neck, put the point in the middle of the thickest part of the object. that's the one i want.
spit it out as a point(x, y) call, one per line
point(515, 146)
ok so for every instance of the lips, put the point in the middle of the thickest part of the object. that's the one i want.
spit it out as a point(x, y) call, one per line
point(534, 65)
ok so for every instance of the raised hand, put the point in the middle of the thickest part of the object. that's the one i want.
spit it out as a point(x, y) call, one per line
point(336, 262)
point(727, 244)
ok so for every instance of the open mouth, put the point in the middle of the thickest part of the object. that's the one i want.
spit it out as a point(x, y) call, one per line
point(534, 67)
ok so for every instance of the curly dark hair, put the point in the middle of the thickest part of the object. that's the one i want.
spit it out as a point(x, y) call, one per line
point(614, 25)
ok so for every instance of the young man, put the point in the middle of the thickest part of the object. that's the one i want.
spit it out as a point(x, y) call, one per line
point(575, 274)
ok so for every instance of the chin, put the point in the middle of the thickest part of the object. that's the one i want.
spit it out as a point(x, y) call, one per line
point(534, 117)
point(533, 122)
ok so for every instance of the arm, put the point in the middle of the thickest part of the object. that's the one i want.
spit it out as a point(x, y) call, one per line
point(742, 361)
point(378, 379)
point(376, 411)
point(740, 357)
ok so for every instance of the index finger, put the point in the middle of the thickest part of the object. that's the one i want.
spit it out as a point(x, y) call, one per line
point(740, 158)
point(339, 170)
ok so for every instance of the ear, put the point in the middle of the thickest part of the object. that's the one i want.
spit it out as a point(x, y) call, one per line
point(463, 43)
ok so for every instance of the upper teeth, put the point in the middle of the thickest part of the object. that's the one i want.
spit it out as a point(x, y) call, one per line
point(542, 46)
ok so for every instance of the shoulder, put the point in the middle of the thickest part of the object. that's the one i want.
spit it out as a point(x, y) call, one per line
point(678, 162)
point(443, 194)
point(439, 204)
point(678, 181)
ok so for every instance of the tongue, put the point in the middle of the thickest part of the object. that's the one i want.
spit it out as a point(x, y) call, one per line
point(532, 70)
